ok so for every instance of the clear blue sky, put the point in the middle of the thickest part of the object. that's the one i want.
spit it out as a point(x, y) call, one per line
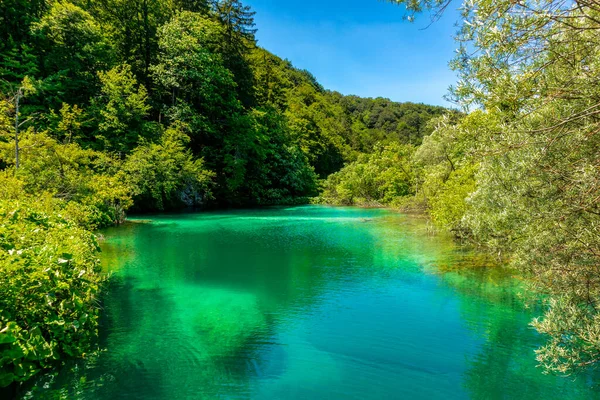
point(361, 47)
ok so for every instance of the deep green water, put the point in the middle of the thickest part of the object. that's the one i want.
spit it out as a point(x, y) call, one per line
point(307, 303)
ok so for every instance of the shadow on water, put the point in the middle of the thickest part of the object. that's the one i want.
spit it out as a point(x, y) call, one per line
point(306, 302)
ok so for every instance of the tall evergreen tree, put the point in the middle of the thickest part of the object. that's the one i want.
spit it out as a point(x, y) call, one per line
point(238, 20)
point(238, 41)
point(199, 6)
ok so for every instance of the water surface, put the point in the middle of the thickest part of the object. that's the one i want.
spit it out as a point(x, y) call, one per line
point(307, 303)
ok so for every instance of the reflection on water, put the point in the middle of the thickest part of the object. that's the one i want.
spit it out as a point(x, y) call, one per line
point(306, 303)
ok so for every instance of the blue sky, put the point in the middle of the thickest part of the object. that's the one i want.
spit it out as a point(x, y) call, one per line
point(361, 47)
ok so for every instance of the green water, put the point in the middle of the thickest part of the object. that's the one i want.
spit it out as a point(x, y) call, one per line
point(306, 303)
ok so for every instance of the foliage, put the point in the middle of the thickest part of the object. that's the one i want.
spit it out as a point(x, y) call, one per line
point(333, 129)
point(120, 111)
point(531, 68)
point(67, 125)
point(6, 123)
point(164, 174)
point(382, 120)
point(383, 177)
point(446, 165)
point(238, 39)
point(278, 170)
point(132, 26)
point(112, 74)
point(74, 48)
point(196, 86)
point(49, 284)
point(68, 172)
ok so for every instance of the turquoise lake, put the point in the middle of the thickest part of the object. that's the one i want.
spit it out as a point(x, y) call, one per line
point(307, 303)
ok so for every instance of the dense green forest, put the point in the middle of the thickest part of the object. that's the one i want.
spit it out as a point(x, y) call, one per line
point(109, 106)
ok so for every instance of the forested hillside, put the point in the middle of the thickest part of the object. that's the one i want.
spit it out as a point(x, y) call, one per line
point(111, 76)
point(147, 105)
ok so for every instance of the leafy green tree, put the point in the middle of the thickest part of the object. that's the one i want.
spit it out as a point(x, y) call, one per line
point(270, 77)
point(120, 112)
point(317, 126)
point(67, 125)
point(15, 65)
point(382, 120)
point(238, 41)
point(198, 90)
point(15, 18)
point(199, 6)
point(74, 48)
point(445, 167)
point(15, 104)
point(165, 174)
point(17, 55)
point(70, 173)
point(277, 171)
point(6, 126)
point(238, 20)
point(132, 26)
point(196, 87)
point(384, 177)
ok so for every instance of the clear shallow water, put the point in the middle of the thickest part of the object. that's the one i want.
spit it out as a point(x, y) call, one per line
point(306, 303)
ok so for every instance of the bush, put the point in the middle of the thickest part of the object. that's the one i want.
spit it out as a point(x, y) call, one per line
point(73, 174)
point(380, 178)
point(49, 283)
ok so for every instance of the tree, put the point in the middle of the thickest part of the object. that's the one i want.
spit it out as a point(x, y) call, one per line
point(16, 62)
point(531, 67)
point(199, 6)
point(198, 90)
point(133, 27)
point(17, 58)
point(239, 40)
point(120, 112)
point(195, 85)
point(24, 89)
point(277, 171)
point(165, 174)
point(74, 48)
point(445, 167)
point(383, 177)
point(238, 20)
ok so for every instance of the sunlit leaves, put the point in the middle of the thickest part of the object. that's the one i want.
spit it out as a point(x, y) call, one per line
point(381, 178)
point(532, 67)
point(166, 174)
point(48, 286)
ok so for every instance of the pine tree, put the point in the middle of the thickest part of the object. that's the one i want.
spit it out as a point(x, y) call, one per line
point(238, 20)
point(199, 6)
point(238, 40)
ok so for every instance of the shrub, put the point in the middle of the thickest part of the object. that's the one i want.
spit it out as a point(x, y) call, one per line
point(49, 283)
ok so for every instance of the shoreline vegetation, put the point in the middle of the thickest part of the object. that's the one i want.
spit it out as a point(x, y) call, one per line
point(115, 106)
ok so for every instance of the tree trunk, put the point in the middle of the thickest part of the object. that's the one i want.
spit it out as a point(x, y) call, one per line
point(17, 101)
